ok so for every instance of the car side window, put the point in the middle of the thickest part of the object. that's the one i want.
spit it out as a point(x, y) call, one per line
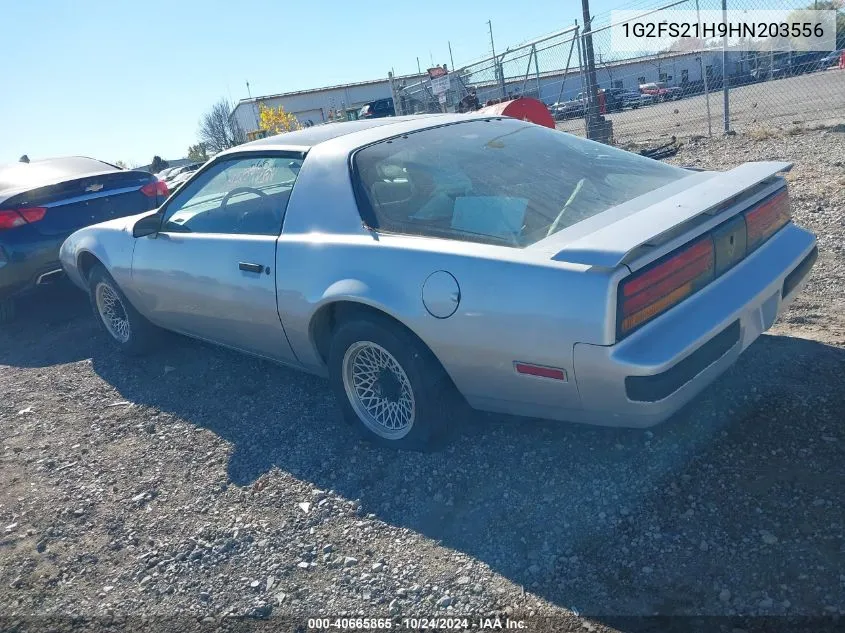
point(241, 196)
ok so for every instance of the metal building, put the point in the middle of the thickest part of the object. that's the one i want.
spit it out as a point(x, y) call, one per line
point(318, 105)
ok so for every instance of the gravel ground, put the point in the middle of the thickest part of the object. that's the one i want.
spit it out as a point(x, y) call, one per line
point(201, 483)
point(780, 104)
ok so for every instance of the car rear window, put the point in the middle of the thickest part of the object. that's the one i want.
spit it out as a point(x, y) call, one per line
point(498, 181)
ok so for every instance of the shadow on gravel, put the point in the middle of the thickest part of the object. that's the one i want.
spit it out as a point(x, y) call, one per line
point(46, 330)
point(733, 506)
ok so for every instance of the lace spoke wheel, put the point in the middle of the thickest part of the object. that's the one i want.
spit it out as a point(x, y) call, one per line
point(378, 390)
point(112, 312)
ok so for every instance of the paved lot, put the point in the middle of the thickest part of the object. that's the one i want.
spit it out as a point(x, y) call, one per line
point(812, 98)
point(200, 483)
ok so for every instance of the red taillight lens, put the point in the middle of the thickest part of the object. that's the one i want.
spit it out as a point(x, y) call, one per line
point(33, 214)
point(763, 221)
point(11, 219)
point(658, 288)
point(155, 188)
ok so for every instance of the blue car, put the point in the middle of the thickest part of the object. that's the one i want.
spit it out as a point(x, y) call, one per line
point(44, 201)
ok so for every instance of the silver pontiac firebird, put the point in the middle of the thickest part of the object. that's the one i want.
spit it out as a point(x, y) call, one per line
point(410, 258)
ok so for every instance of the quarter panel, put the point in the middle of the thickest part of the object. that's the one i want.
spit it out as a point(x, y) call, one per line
point(111, 242)
point(512, 307)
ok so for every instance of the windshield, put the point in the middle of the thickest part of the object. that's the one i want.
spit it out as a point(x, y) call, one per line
point(499, 182)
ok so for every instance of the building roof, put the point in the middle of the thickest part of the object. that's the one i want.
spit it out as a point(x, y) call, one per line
point(303, 140)
point(369, 82)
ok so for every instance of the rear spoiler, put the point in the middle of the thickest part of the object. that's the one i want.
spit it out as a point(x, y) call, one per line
point(610, 246)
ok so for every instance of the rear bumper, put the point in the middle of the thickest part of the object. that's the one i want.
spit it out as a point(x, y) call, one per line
point(650, 375)
point(25, 264)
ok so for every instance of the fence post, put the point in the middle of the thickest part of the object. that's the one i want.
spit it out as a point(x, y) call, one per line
point(397, 106)
point(527, 70)
point(703, 74)
point(575, 40)
point(583, 83)
point(725, 88)
point(592, 114)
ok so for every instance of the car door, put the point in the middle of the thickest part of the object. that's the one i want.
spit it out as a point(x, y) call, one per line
point(208, 272)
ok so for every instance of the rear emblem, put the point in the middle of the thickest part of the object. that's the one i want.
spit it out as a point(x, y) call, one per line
point(93, 188)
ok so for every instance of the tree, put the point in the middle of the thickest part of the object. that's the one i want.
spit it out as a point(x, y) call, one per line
point(276, 120)
point(801, 16)
point(158, 164)
point(120, 164)
point(219, 130)
point(197, 153)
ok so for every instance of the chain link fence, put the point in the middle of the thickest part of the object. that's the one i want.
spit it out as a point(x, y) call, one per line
point(695, 88)
point(539, 69)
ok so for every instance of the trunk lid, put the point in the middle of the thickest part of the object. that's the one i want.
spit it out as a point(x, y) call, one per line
point(93, 198)
point(631, 232)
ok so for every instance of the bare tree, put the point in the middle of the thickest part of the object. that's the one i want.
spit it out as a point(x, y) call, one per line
point(219, 130)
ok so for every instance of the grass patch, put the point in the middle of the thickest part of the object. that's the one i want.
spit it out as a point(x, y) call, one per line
point(762, 133)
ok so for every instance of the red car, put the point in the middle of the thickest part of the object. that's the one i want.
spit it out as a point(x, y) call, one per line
point(656, 89)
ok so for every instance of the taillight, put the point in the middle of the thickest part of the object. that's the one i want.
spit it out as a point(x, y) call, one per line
point(762, 221)
point(155, 188)
point(18, 217)
point(656, 289)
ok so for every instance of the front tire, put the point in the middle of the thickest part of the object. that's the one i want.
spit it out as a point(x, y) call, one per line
point(127, 330)
point(389, 386)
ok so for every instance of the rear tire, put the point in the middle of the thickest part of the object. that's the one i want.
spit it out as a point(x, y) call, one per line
point(8, 308)
point(389, 386)
point(127, 330)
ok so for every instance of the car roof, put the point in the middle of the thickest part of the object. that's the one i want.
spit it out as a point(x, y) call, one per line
point(305, 139)
point(38, 173)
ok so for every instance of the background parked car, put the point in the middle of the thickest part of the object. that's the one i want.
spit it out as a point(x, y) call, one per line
point(180, 175)
point(657, 89)
point(673, 93)
point(831, 59)
point(44, 201)
point(164, 173)
point(632, 99)
point(377, 109)
point(567, 109)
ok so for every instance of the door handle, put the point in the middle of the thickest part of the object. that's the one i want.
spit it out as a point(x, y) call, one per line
point(251, 268)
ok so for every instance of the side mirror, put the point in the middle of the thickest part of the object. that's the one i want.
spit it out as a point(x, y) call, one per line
point(148, 225)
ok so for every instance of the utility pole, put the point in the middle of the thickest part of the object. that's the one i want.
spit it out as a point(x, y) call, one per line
point(451, 61)
point(496, 70)
point(419, 70)
point(725, 69)
point(592, 113)
point(254, 107)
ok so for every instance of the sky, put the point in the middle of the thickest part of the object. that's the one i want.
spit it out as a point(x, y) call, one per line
point(125, 81)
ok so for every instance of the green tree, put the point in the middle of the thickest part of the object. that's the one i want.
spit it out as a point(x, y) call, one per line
point(803, 15)
point(158, 164)
point(197, 153)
